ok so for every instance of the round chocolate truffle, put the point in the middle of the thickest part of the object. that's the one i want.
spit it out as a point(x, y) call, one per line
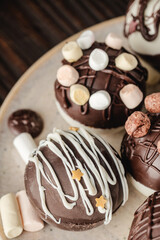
point(75, 180)
point(141, 156)
point(25, 120)
point(106, 104)
point(142, 28)
point(146, 223)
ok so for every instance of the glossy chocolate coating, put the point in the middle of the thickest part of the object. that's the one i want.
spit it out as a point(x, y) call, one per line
point(138, 24)
point(146, 223)
point(25, 120)
point(140, 155)
point(74, 219)
point(110, 79)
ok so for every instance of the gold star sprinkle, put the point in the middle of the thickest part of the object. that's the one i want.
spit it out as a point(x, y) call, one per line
point(73, 129)
point(77, 174)
point(100, 202)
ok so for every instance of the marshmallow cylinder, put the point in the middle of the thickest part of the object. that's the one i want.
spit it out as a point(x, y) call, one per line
point(100, 100)
point(98, 59)
point(24, 144)
point(131, 96)
point(126, 62)
point(31, 221)
point(67, 75)
point(86, 39)
point(79, 94)
point(10, 214)
point(113, 41)
point(72, 52)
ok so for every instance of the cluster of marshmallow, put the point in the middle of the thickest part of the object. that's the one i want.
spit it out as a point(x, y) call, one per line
point(17, 214)
point(138, 123)
point(68, 76)
point(16, 211)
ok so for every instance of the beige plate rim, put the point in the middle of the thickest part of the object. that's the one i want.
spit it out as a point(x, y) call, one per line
point(45, 58)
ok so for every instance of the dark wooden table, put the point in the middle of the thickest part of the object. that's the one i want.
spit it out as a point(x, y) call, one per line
point(29, 28)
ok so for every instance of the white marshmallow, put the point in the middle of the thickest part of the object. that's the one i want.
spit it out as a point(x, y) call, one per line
point(113, 41)
point(131, 96)
point(24, 144)
point(31, 221)
point(126, 62)
point(86, 39)
point(67, 75)
point(100, 100)
point(72, 52)
point(79, 94)
point(10, 214)
point(98, 59)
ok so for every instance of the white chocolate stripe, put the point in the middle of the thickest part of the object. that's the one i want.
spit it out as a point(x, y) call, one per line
point(88, 169)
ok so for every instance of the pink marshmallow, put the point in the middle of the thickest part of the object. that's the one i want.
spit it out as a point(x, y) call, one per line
point(67, 75)
point(31, 222)
point(113, 41)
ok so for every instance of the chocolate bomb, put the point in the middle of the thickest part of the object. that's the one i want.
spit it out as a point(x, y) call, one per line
point(68, 202)
point(110, 79)
point(140, 156)
point(142, 28)
point(146, 223)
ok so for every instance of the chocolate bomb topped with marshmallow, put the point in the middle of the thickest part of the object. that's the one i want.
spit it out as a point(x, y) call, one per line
point(75, 180)
point(146, 222)
point(141, 146)
point(142, 28)
point(99, 84)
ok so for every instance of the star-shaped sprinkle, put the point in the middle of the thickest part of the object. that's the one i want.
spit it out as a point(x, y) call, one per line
point(73, 129)
point(100, 202)
point(77, 174)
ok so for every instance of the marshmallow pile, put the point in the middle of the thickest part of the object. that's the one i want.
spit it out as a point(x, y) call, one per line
point(98, 60)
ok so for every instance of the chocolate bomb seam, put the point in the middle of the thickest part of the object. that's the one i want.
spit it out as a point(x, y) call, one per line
point(148, 219)
point(139, 20)
point(79, 140)
point(88, 79)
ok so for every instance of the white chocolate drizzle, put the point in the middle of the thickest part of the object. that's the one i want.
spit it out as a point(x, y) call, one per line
point(91, 166)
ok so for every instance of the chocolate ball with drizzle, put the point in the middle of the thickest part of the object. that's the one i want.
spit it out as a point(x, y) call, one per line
point(146, 222)
point(142, 28)
point(141, 157)
point(75, 180)
point(110, 80)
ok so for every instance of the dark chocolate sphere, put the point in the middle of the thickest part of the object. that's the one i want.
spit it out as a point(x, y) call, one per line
point(69, 174)
point(140, 156)
point(111, 79)
point(146, 222)
point(142, 28)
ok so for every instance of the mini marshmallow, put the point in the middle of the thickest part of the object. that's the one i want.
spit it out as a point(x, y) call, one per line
point(126, 62)
point(67, 75)
point(86, 39)
point(131, 96)
point(98, 59)
point(79, 94)
point(100, 100)
point(152, 103)
point(113, 41)
point(10, 214)
point(31, 221)
point(72, 52)
point(24, 144)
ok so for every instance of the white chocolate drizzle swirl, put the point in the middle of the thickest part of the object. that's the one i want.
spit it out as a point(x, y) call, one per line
point(88, 168)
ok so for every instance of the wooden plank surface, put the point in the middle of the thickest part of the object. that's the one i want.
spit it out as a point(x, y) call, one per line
point(29, 28)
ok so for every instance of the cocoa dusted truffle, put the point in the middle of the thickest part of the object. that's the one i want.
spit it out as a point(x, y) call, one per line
point(103, 87)
point(75, 180)
point(146, 223)
point(142, 28)
point(141, 147)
